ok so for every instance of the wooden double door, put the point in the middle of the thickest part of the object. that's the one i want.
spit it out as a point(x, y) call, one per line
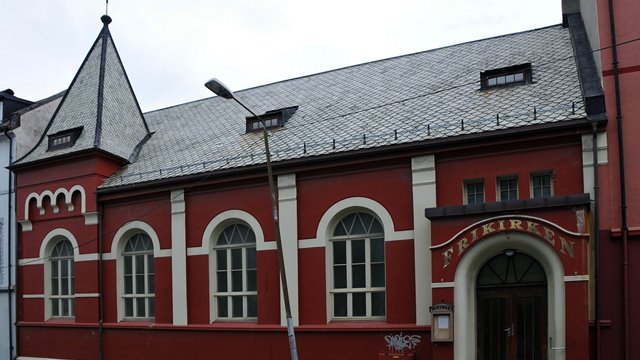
point(512, 313)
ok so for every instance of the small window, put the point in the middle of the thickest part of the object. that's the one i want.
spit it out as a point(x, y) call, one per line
point(64, 139)
point(541, 185)
point(62, 280)
point(519, 74)
point(507, 188)
point(474, 192)
point(272, 119)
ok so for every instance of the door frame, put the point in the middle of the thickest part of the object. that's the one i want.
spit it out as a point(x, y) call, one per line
point(465, 335)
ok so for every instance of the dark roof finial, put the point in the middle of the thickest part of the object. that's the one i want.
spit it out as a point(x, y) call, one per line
point(106, 19)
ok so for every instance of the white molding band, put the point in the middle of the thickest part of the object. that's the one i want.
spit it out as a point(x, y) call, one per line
point(86, 295)
point(179, 258)
point(442, 285)
point(423, 172)
point(576, 278)
point(33, 296)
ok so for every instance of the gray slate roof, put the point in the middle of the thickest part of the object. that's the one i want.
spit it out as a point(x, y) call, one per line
point(100, 100)
point(410, 98)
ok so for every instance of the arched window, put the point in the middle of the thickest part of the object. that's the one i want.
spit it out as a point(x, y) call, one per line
point(235, 295)
point(358, 270)
point(139, 282)
point(61, 272)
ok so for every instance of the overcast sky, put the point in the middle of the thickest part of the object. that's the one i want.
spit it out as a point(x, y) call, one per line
point(171, 47)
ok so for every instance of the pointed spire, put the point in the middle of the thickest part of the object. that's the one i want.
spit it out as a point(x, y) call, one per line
point(99, 105)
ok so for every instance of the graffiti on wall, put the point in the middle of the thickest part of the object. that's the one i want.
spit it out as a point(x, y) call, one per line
point(401, 343)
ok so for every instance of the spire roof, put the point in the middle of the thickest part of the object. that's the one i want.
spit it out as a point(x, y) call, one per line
point(100, 108)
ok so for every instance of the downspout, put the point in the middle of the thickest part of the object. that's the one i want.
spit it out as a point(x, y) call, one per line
point(100, 287)
point(623, 189)
point(596, 235)
point(10, 254)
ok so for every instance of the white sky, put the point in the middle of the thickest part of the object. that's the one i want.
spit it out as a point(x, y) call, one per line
point(170, 48)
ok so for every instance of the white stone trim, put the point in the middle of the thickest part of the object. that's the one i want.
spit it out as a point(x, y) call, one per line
point(588, 180)
point(117, 246)
point(52, 196)
point(288, 212)
point(576, 278)
point(87, 295)
point(33, 296)
point(495, 218)
point(30, 261)
point(179, 258)
point(216, 225)
point(91, 218)
point(465, 290)
point(87, 257)
point(442, 285)
point(423, 172)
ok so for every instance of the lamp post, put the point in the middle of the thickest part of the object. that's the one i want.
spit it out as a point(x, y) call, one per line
point(218, 88)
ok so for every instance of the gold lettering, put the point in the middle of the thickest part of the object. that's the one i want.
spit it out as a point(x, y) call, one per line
point(447, 257)
point(566, 246)
point(474, 235)
point(501, 225)
point(487, 229)
point(533, 227)
point(548, 235)
point(462, 245)
point(515, 224)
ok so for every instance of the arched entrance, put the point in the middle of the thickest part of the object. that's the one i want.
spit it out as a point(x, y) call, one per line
point(511, 300)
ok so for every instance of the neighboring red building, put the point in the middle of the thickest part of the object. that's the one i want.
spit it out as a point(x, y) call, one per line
point(455, 184)
point(613, 27)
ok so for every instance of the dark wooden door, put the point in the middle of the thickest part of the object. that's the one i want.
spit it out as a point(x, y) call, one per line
point(511, 309)
point(512, 324)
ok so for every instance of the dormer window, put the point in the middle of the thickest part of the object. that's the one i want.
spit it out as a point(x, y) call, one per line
point(64, 139)
point(518, 74)
point(272, 119)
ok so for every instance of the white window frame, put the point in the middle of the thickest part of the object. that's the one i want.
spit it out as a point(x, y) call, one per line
point(46, 249)
point(499, 190)
point(539, 174)
point(230, 294)
point(56, 265)
point(135, 296)
point(349, 289)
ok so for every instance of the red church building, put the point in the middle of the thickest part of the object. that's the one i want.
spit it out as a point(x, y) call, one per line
point(457, 203)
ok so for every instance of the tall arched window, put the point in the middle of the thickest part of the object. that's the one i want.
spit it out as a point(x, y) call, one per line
point(62, 279)
point(236, 295)
point(358, 270)
point(139, 280)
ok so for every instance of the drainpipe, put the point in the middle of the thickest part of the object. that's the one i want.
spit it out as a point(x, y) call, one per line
point(11, 289)
point(596, 235)
point(100, 287)
point(623, 190)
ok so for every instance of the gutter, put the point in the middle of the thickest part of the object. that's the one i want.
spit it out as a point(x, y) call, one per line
point(623, 187)
point(11, 288)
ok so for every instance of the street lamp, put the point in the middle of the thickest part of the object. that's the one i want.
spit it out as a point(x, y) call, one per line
point(218, 88)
